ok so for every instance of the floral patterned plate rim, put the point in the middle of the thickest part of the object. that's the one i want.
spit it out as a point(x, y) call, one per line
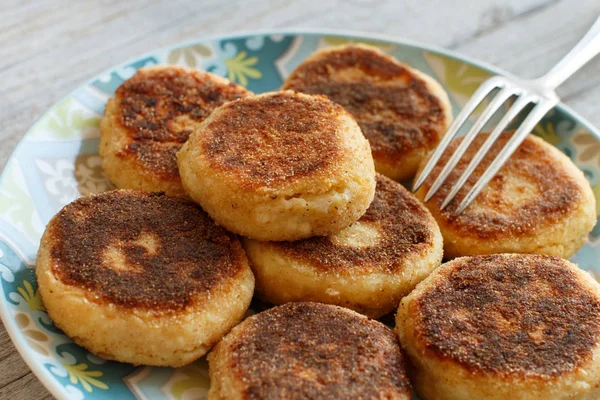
point(57, 161)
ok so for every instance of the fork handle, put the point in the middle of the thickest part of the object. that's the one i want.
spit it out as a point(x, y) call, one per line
point(587, 48)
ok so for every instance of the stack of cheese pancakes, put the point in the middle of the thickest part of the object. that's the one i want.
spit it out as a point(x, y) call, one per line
point(292, 196)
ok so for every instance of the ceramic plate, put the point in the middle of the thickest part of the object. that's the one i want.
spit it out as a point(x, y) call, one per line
point(57, 161)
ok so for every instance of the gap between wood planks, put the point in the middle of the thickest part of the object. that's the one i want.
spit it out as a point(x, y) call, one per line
point(495, 24)
point(531, 49)
point(26, 388)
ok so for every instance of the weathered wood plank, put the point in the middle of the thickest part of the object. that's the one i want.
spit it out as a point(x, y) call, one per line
point(6, 347)
point(13, 368)
point(26, 388)
point(529, 46)
point(16, 380)
point(587, 104)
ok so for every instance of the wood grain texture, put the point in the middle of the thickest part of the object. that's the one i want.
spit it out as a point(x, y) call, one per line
point(48, 48)
point(26, 388)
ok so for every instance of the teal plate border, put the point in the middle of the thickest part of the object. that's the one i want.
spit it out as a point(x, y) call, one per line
point(57, 161)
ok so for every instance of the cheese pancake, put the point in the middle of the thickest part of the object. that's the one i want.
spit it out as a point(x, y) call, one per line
point(539, 202)
point(142, 278)
point(279, 166)
point(504, 327)
point(367, 267)
point(308, 351)
point(150, 117)
point(401, 111)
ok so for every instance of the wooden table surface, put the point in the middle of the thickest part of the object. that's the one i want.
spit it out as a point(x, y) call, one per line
point(48, 48)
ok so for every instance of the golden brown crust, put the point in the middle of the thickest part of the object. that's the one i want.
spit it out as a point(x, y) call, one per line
point(494, 215)
point(312, 350)
point(404, 226)
point(269, 140)
point(159, 107)
point(394, 107)
point(524, 315)
point(97, 244)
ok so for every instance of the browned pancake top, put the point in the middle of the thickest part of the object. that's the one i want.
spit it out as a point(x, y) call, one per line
point(510, 314)
point(311, 350)
point(556, 191)
point(97, 244)
point(405, 229)
point(394, 108)
point(150, 106)
point(275, 138)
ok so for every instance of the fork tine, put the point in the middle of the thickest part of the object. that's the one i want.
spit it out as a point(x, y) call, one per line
point(512, 112)
point(532, 119)
point(480, 94)
point(489, 111)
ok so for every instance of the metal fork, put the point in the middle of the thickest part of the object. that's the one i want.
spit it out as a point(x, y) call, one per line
point(540, 92)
